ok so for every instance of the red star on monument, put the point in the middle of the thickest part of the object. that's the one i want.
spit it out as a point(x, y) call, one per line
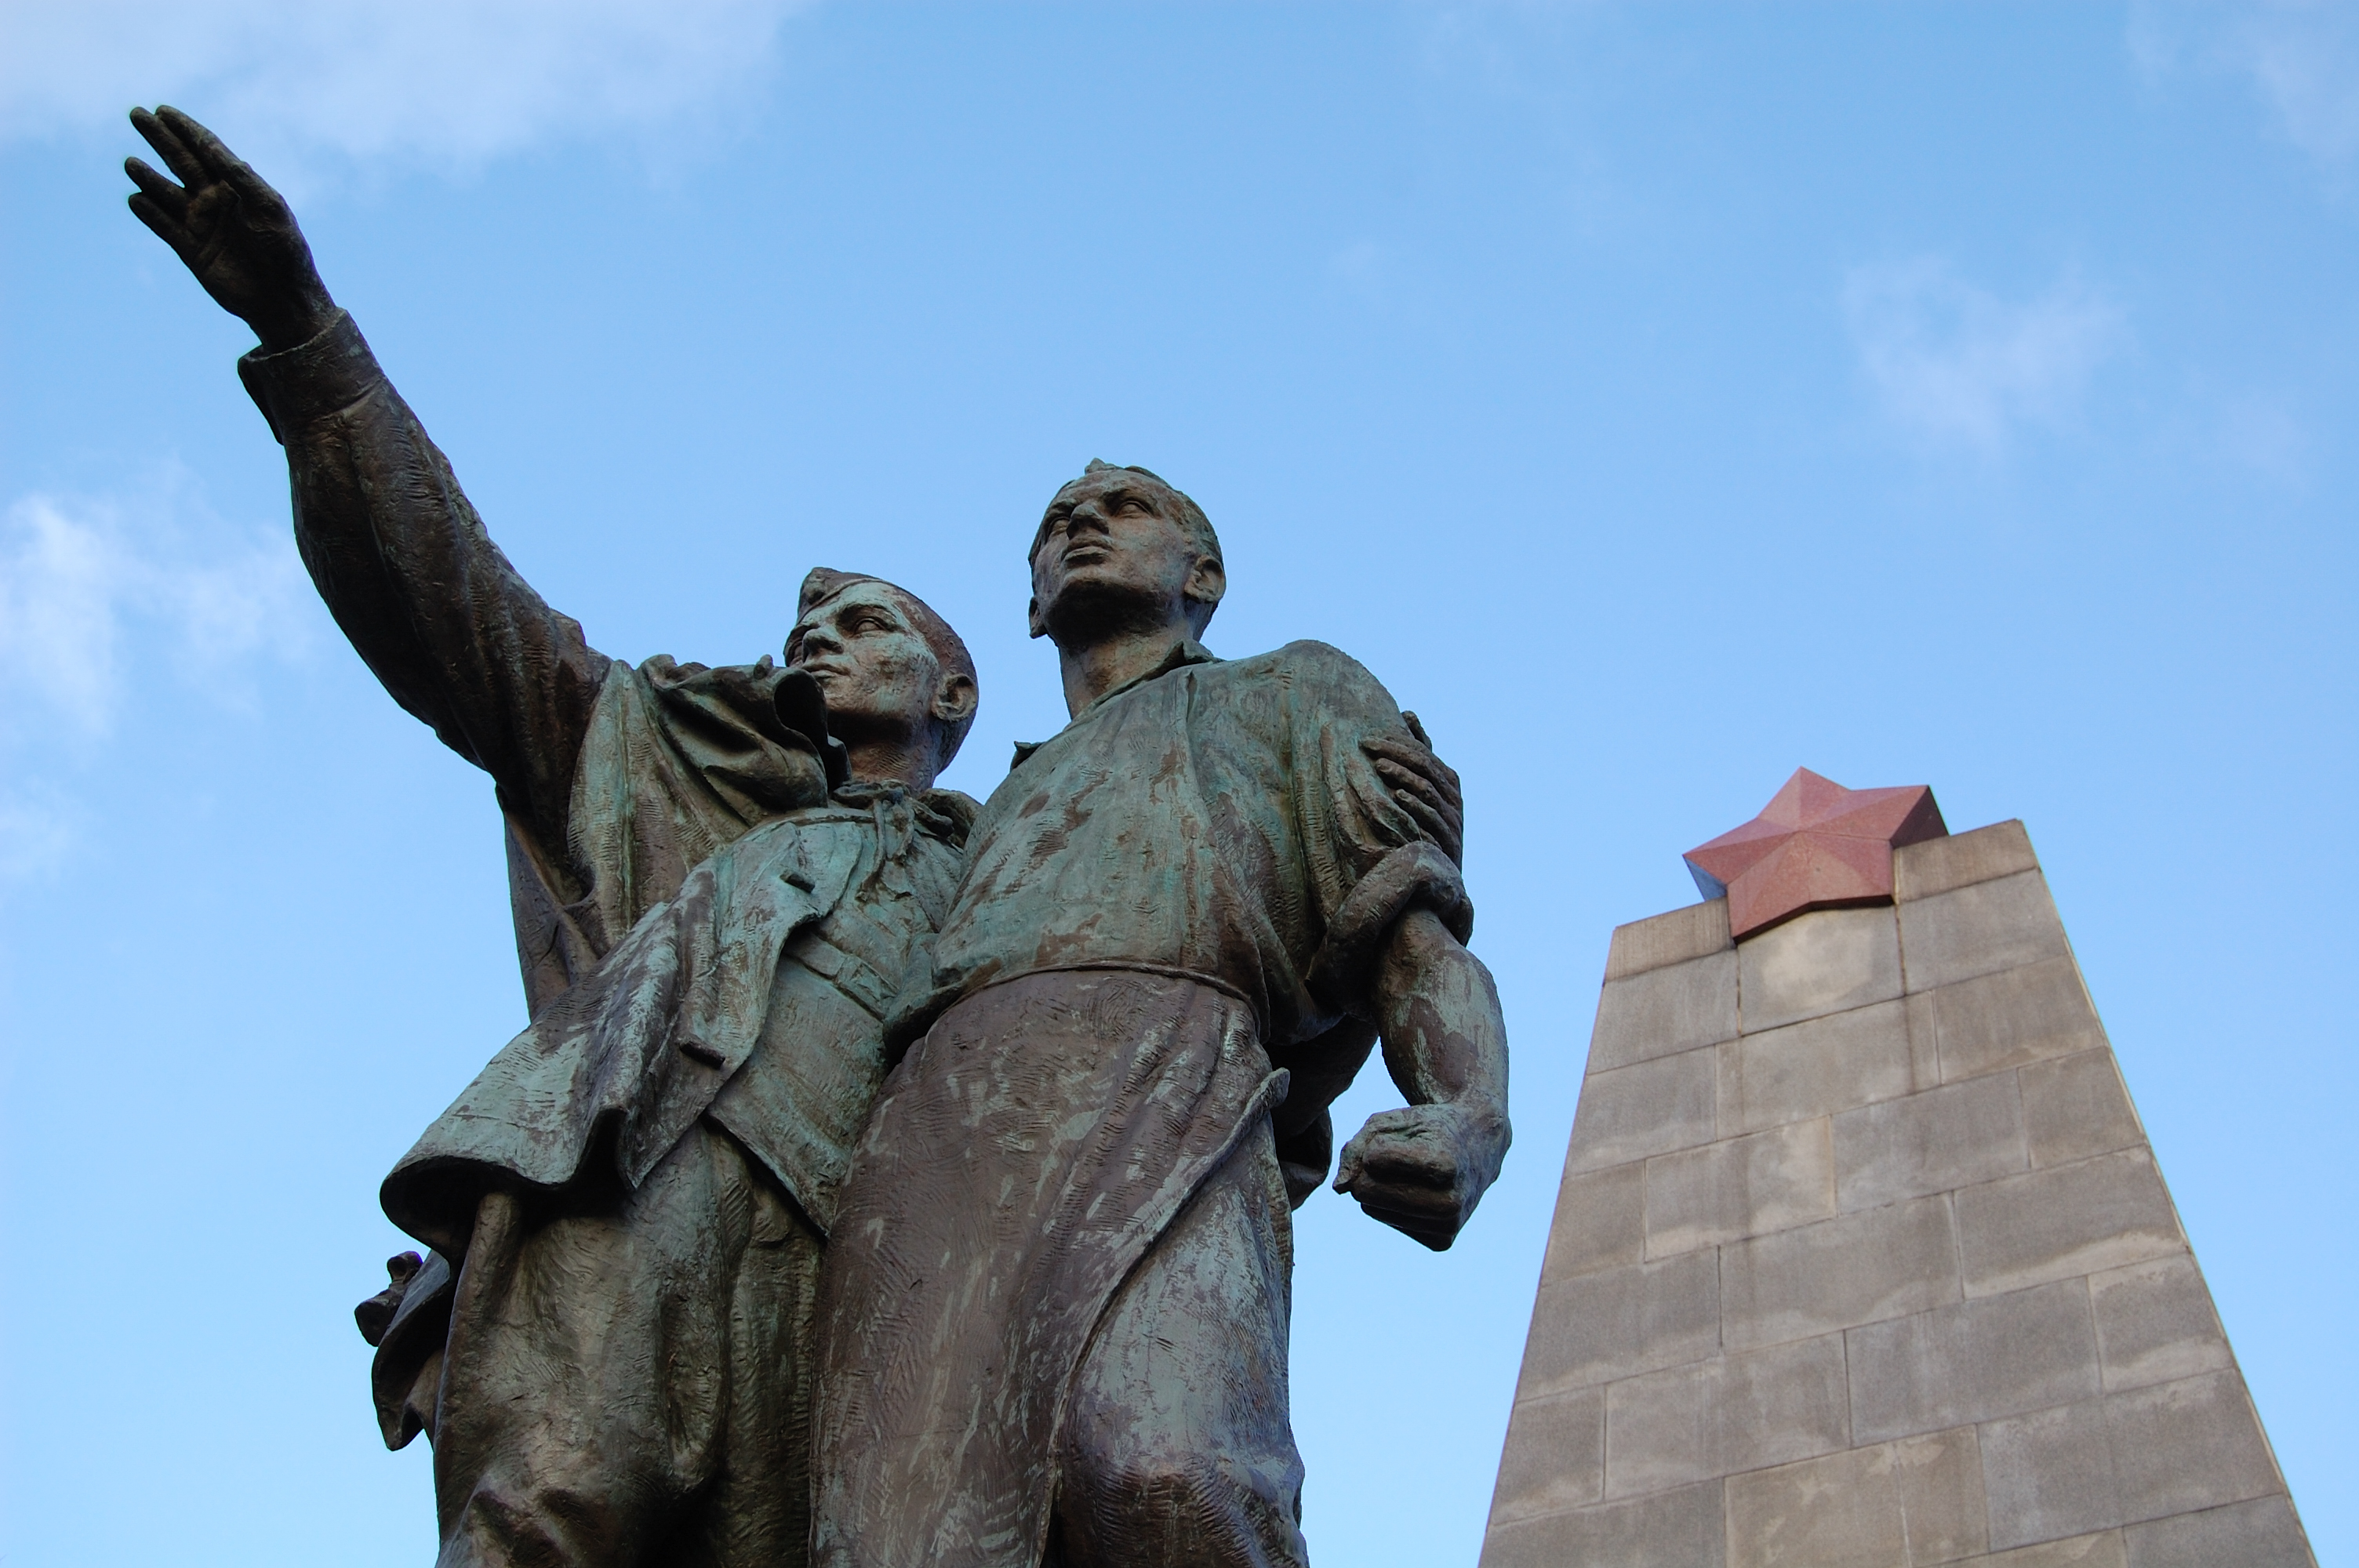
point(1815, 846)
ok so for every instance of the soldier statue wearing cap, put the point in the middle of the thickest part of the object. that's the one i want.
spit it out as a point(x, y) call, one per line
point(718, 878)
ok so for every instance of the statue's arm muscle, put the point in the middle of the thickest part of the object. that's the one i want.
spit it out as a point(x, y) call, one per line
point(1422, 1170)
point(453, 632)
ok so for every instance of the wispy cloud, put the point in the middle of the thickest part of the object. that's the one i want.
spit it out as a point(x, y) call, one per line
point(97, 593)
point(2300, 56)
point(93, 585)
point(1955, 365)
point(444, 80)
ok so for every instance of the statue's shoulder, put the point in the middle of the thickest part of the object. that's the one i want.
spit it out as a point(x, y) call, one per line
point(1321, 671)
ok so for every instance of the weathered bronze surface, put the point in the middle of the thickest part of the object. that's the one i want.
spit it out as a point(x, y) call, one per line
point(1193, 912)
point(1054, 1318)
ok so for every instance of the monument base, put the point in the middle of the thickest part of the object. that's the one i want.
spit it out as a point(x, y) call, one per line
point(1862, 1260)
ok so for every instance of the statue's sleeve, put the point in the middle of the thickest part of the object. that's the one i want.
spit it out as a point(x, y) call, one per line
point(434, 608)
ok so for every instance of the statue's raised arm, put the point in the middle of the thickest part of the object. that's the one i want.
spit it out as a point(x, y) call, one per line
point(457, 636)
point(615, 780)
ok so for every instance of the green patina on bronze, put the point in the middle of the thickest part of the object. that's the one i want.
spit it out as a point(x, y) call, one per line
point(1191, 917)
point(1055, 1312)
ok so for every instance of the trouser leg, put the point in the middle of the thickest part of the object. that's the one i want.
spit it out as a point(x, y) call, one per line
point(1177, 1451)
point(755, 1513)
point(623, 1373)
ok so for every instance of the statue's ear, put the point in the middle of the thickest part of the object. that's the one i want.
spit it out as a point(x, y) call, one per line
point(1207, 581)
point(1032, 615)
point(954, 699)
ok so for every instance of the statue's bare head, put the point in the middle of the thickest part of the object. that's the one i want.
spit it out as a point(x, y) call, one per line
point(1120, 550)
point(898, 682)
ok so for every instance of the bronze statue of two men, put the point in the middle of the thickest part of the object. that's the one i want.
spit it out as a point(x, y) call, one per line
point(883, 1179)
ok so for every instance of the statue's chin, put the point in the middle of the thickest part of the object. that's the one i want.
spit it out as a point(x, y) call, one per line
point(1092, 609)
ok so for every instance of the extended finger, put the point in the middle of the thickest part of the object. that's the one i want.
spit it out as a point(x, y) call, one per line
point(1426, 818)
point(156, 187)
point(1395, 748)
point(158, 134)
point(168, 228)
point(1417, 727)
point(1442, 822)
point(1422, 757)
point(1403, 777)
point(222, 163)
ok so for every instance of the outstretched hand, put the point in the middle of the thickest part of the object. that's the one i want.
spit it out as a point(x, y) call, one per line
point(230, 227)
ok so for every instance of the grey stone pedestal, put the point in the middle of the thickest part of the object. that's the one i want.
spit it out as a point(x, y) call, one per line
point(1862, 1260)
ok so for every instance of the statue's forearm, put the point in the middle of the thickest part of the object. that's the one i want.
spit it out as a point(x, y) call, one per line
point(452, 631)
point(1445, 1040)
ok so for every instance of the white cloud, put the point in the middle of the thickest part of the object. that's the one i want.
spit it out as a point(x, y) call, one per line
point(448, 81)
point(2300, 56)
point(1956, 365)
point(97, 593)
point(92, 587)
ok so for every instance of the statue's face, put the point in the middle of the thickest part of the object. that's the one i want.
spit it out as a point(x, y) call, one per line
point(1110, 553)
point(872, 664)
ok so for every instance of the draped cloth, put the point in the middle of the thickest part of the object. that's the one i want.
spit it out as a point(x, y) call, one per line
point(1024, 1158)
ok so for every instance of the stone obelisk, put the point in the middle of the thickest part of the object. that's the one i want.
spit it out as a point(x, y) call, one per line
point(1861, 1259)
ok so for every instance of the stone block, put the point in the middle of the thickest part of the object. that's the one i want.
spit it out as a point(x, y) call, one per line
point(2049, 1476)
point(2076, 1106)
point(1996, 1022)
point(1728, 1414)
point(1839, 1273)
point(1980, 929)
point(1840, 1511)
point(1814, 1068)
point(1649, 1108)
point(1915, 1502)
point(1937, 865)
point(2075, 1220)
point(1973, 1361)
point(1828, 961)
point(1738, 1188)
point(2155, 1324)
point(1942, 1508)
point(2262, 1533)
point(1924, 1039)
point(1947, 1137)
point(1555, 1456)
point(1601, 1221)
point(2179, 1447)
point(1671, 938)
point(1617, 1323)
point(1663, 1012)
point(2103, 1549)
point(1671, 1529)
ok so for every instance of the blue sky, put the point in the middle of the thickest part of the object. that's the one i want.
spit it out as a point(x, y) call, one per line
point(1657, 398)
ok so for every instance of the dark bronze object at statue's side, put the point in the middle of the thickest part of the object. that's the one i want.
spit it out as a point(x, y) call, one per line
point(707, 1284)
